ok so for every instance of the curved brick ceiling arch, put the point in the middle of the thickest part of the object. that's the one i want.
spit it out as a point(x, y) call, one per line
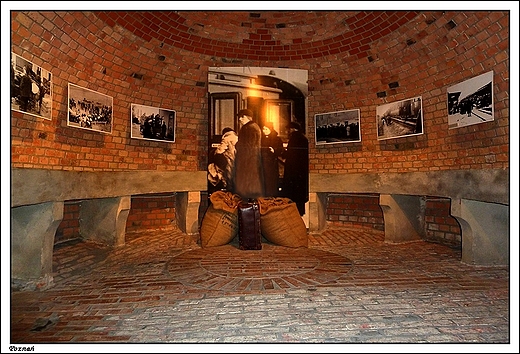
point(262, 35)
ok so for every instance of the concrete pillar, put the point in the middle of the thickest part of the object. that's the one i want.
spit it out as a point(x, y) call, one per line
point(104, 220)
point(317, 211)
point(485, 231)
point(33, 228)
point(404, 217)
point(187, 211)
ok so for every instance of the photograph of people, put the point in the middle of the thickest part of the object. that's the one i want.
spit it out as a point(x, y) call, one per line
point(31, 88)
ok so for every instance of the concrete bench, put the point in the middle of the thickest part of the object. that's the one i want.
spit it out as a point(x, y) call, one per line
point(37, 203)
point(480, 202)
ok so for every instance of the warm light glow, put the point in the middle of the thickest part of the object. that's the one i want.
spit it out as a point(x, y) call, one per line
point(253, 93)
point(273, 115)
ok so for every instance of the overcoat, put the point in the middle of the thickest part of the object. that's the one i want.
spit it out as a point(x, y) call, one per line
point(295, 184)
point(248, 173)
point(270, 162)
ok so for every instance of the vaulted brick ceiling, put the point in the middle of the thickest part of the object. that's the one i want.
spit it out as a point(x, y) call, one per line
point(262, 35)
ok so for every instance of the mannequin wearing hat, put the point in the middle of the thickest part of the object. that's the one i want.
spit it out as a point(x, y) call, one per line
point(248, 171)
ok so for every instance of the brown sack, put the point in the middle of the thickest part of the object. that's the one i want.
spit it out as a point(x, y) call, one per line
point(220, 222)
point(226, 201)
point(281, 222)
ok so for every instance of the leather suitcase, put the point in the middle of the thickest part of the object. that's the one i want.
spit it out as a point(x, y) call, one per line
point(249, 233)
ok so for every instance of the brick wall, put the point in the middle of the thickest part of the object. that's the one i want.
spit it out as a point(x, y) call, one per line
point(441, 227)
point(79, 48)
point(390, 56)
point(423, 58)
point(151, 212)
point(355, 210)
point(69, 226)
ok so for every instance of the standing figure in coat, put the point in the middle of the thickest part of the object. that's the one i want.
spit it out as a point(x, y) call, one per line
point(248, 175)
point(272, 147)
point(295, 184)
point(26, 90)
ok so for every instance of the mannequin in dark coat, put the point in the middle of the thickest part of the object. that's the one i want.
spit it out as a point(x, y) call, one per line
point(295, 184)
point(272, 147)
point(248, 174)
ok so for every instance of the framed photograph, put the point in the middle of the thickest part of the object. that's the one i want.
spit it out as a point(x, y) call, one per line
point(471, 102)
point(152, 123)
point(31, 88)
point(399, 119)
point(89, 109)
point(337, 127)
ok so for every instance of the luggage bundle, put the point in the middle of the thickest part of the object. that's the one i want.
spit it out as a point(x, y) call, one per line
point(220, 223)
point(282, 223)
point(249, 232)
point(276, 219)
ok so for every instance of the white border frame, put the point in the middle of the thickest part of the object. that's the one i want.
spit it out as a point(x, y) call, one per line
point(477, 92)
point(402, 113)
point(135, 128)
point(351, 116)
point(18, 61)
point(80, 94)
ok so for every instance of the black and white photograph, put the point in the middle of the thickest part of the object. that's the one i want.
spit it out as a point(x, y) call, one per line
point(400, 119)
point(152, 123)
point(89, 109)
point(31, 88)
point(257, 133)
point(337, 127)
point(471, 102)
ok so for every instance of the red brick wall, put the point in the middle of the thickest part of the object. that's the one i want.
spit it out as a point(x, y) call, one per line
point(69, 226)
point(79, 48)
point(441, 227)
point(423, 52)
point(151, 212)
point(438, 58)
point(355, 210)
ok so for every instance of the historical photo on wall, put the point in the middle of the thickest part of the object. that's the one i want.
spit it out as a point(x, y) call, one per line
point(152, 123)
point(89, 109)
point(337, 127)
point(400, 119)
point(471, 102)
point(31, 88)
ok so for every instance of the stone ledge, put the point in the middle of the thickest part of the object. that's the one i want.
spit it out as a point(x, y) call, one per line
point(34, 186)
point(483, 185)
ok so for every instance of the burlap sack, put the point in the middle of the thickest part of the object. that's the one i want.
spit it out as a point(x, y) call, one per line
point(220, 222)
point(281, 222)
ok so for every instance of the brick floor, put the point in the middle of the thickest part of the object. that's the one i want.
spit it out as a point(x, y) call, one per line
point(348, 287)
